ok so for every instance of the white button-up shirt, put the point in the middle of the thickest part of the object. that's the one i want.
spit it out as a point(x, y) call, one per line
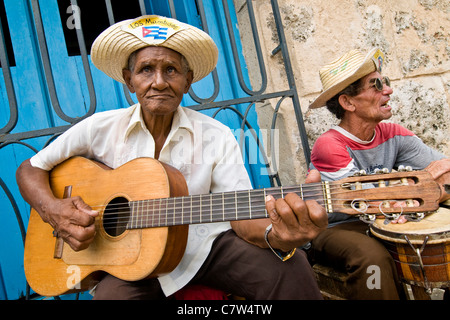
point(204, 150)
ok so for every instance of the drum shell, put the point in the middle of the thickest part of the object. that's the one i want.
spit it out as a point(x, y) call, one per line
point(435, 259)
point(435, 254)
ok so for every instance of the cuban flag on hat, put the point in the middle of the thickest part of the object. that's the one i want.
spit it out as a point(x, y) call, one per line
point(152, 29)
point(378, 59)
point(156, 32)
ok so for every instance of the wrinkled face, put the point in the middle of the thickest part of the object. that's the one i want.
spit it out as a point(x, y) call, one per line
point(371, 104)
point(159, 78)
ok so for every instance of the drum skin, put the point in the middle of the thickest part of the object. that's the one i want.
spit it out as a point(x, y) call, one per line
point(427, 240)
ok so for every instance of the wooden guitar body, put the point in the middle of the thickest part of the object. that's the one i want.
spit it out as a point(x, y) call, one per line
point(123, 255)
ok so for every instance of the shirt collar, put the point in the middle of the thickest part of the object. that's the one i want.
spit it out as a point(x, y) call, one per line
point(353, 137)
point(180, 120)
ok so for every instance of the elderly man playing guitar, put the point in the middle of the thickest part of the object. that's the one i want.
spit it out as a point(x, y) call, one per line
point(255, 259)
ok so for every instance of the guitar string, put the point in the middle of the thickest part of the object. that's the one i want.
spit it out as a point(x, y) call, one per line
point(161, 221)
point(208, 201)
point(123, 218)
point(307, 191)
point(196, 210)
point(303, 190)
point(164, 219)
point(244, 195)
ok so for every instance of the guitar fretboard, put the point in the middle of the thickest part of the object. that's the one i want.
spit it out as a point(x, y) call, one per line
point(214, 207)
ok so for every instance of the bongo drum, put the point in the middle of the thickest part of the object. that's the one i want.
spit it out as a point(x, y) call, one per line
point(421, 250)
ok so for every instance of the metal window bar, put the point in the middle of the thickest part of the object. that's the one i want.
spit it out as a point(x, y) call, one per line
point(11, 94)
point(40, 33)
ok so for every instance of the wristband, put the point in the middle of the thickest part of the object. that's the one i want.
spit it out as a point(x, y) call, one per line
point(283, 256)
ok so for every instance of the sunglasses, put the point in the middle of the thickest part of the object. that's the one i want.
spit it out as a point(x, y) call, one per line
point(379, 83)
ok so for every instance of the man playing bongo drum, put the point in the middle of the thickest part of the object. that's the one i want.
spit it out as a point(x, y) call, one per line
point(355, 91)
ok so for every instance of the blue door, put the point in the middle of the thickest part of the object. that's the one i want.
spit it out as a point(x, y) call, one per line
point(50, 83)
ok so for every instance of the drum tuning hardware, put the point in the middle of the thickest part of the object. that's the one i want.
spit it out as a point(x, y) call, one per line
point(415, 216)
point(418, 253)
point(390, 217)
point(368, 218)
point(436, 294)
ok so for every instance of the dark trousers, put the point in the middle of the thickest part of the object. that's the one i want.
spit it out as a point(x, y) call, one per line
point(371, 271)
point(236, 267)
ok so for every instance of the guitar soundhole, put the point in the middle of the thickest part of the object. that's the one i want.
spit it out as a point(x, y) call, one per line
point(116, 217)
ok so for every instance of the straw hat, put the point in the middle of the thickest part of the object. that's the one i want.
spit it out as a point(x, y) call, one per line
point(112, 48)
point(345, 70)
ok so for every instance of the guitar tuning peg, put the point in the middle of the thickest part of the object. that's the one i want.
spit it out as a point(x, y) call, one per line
point(404, 168)
point(360, 173)
point(381, 171)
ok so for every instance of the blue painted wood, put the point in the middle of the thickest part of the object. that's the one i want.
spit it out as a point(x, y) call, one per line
point(32, 115)
point(3, 295)
point(36, 110)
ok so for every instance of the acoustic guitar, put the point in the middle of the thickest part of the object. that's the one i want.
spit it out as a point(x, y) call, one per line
point(143, 221)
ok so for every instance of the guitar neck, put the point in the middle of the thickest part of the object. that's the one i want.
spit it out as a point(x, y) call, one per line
point(214, 207)
point(372, 194)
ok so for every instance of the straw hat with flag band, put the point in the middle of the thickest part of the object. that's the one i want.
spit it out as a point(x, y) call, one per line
point(345, 70)
point(112, 48)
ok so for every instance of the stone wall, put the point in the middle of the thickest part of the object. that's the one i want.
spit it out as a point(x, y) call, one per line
point(414, 34)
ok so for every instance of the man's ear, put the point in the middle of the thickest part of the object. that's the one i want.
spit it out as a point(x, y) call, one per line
point(127, 77)
point(346, 102)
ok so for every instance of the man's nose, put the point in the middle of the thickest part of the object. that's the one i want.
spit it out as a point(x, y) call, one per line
point(159, 80)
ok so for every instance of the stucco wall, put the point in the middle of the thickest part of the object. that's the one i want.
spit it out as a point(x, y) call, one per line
point(414, 34)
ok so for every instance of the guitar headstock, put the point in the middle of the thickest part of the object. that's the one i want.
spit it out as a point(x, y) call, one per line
point(390, 194)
